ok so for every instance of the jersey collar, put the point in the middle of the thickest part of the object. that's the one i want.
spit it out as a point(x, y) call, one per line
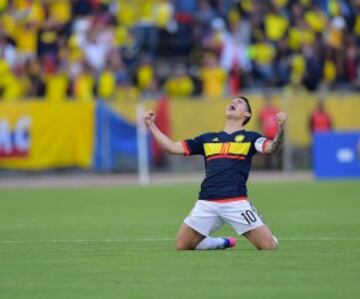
point(236, 132)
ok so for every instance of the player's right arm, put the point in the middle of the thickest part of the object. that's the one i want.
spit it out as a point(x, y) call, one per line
point(164, 142)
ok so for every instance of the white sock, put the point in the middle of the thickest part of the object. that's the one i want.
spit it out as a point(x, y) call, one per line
point(211, 243)
point(276, 241)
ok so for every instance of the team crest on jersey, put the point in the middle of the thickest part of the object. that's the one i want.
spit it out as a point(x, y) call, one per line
point(215, 139)
point(239, 138)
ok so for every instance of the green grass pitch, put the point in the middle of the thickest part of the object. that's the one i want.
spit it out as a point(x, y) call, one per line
point(119, 243)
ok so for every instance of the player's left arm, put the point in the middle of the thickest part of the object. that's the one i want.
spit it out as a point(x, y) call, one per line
point(273, 146)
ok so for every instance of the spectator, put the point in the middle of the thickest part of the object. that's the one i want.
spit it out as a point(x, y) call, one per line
point(262, 54)
point(95, 51)
point(356, 27)
point(282, 64)
point(83, 85)
point(56, 86)
point(49, 38)
point(213, 77)
point(298, 68)
point(163, 13)
point(16, 84)
point(145, 31)
point(329, 71)
point(267, 117)
point(215, 39)
point(26, 40)
point(106, 87)
point(145, 75)
point(7, 51)
point(320, 119)
point(35, 74)
point(205, 14)
point(275, 25)
point(314, 67)
point(351, 61)
point(335, 33)
point(269, 126)
point(300, 35)
point(180, 84)
point(316, 19)
point(234, 53)
point(60, 11)
point(121, 73)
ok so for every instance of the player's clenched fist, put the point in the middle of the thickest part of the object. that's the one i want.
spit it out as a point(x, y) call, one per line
point(281, 117)
point(149, 118)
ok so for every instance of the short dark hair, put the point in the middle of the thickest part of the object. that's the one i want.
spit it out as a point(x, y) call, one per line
point(246, 100)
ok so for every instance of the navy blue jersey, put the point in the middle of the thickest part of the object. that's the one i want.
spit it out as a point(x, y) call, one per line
point(227, 162)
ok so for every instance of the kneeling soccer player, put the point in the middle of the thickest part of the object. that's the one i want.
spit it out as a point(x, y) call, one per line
point(223, 195)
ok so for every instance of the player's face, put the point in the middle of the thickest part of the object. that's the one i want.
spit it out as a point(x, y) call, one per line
point(236, 109)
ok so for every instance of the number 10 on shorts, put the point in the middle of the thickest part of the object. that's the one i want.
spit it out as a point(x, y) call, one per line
point(249, 216)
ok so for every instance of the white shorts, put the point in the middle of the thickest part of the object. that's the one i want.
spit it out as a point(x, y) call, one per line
point(207, 217)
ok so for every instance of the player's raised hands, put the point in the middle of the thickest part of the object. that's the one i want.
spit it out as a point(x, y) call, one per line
point(149, 117)
point(281, 118)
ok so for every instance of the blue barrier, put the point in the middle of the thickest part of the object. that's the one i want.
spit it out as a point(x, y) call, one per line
point(336, 155)
point(116, 140)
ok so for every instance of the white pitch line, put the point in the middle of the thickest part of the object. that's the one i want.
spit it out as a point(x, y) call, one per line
point(321, 239)
point(162, 240)
point(88, 241)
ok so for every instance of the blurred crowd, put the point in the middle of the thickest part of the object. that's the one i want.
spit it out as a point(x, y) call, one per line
point(87, 49)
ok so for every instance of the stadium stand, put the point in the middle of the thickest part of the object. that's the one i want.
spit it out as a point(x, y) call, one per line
point(107, 49)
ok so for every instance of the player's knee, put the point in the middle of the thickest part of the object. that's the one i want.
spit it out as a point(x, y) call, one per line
point(180, 246)
point(183, 245)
